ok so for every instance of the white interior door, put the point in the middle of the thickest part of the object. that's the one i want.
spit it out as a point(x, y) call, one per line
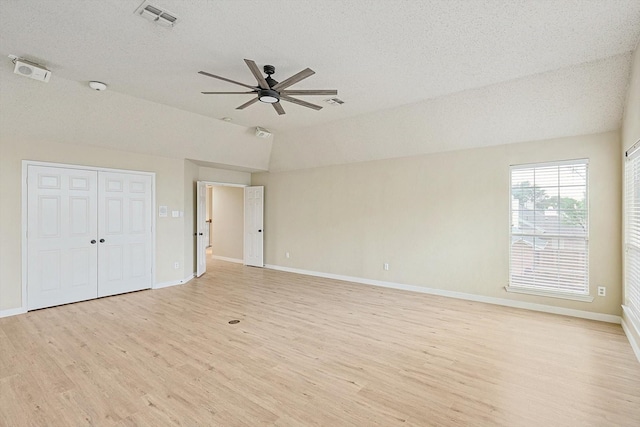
point(125, 235)
point(202, 235)
point(253, 226)
point(62, 233)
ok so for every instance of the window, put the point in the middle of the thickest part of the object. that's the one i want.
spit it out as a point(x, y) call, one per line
point(632, 236)
point(549, 229)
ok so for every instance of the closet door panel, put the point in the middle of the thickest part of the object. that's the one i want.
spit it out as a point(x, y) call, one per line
point(124, 231)
point(61, 226)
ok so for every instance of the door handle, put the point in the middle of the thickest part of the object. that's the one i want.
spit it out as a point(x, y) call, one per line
point(101, 240)
point(259, 231)
point(93, 242)
point(200, 234)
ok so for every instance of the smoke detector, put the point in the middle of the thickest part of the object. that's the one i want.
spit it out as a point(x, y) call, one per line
point(99, 86)
point(30, 69)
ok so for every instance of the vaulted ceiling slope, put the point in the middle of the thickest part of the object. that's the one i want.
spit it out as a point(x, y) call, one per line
point(578, 100)
point(403, 61)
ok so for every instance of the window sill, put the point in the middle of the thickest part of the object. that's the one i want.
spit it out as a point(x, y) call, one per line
point(562, 295)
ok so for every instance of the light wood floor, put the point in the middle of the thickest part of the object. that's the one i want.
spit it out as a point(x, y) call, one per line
point(309, 352)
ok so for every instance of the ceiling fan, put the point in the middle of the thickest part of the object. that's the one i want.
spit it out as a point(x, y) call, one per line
point(271, 91)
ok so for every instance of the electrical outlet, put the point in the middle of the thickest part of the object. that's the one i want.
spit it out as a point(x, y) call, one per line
point(176, 265)
point(602, 291)
point(386, 266)
point(287, 254)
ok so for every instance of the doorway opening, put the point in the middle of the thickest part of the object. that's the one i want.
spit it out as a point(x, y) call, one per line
point(229, 222)
point(225, 222)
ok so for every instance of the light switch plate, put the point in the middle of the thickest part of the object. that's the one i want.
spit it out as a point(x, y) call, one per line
point(162, 211)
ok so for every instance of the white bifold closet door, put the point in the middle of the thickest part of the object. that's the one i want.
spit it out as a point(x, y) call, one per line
point(89, 234)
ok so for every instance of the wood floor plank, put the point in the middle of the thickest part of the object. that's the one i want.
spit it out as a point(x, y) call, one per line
point(309, 351)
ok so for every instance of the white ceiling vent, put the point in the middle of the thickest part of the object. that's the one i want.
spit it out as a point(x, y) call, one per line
point(334, 101)
point(157, 15)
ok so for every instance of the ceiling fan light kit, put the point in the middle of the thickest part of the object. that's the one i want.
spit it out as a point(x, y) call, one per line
point(270, 91)
point(269, 96)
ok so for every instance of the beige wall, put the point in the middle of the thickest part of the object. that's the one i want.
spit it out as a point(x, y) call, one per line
point(169, 192)
point(631, 134)
point(228, 221)
point(440, 220)
point(211, 174)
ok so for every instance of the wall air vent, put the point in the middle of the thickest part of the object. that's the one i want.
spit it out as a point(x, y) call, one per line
point(157, 15)
point(334, 101)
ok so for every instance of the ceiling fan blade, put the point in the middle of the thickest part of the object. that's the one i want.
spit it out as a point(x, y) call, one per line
point(246, 104)
point(257, 74)
point(300, 102)
point(225, 93)
point(311, 92)
point(307, 72)
point(204, 73)
point(278, 108)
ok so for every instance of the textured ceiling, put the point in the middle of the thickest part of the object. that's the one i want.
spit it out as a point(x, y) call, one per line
point(577, 100)
point(378, 54)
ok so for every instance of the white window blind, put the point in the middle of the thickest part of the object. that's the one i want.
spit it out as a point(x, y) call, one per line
point(549, 227)
point(632, 236)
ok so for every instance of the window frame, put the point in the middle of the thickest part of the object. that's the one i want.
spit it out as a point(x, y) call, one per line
point(631, 307)
point(549, 292)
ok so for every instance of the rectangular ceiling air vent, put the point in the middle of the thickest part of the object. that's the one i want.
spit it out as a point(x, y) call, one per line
point(157, 15)
point(334, 101)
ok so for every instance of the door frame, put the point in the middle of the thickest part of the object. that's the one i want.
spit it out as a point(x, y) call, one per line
point(24, 225)
point(214, 184)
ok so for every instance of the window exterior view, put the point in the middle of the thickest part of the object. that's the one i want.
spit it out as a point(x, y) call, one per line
point(549, 227)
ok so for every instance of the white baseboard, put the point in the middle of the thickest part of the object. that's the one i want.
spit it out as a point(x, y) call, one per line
point(459, 295)
point(224, 258)
point(20, 310)
point(12, 312)
point(173, 282)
